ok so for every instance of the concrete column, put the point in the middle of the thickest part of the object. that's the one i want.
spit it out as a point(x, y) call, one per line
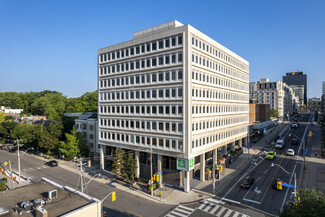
point(101, 152)
point(187, 182)
point(233, 145)
point(159, 164)
point(240, 142)
point(202, 167)
point(137, 164)
point(214, 161)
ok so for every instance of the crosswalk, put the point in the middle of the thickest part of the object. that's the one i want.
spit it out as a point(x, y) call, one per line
point(180, 211)
point(212, 206)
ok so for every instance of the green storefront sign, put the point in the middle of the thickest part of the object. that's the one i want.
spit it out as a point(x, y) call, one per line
point(184, 164)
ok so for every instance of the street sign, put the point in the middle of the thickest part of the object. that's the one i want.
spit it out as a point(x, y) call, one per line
point(181, 164)
point(287, 185)
point(191, 164)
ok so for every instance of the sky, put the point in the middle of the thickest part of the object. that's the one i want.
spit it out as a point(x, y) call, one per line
point(52, 45)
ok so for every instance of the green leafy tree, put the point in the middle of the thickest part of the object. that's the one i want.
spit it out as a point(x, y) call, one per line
point(130, 167)
point(74, 145)
point(118, 163)
point(2, 116)
point(274, 113)
point(51, 104)
point(87, 102)
point(312, 203)
point(26, 132)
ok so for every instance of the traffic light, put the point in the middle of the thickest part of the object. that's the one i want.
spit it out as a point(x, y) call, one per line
point(279, 185)
point(114, 196)
point(157, 178)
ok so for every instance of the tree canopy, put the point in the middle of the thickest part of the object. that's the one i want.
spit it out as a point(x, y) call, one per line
point(310, 202)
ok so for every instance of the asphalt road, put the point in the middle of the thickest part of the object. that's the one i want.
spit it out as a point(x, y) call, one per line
point(126, 204)
point(261, 195)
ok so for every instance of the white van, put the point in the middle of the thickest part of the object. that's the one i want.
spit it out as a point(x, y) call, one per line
point(279, 144)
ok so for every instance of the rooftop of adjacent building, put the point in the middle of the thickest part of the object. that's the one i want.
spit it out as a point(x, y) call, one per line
point(65, 202)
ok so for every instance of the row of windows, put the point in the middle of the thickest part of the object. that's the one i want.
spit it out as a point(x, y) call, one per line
point(170, 127)
point(214, 109)
point(161, 93)
point(217, 122)
point(142, 64)
point(215, 137)
point(217, 81)
point(142, 48)
point(218, 94)
point(204, 46)
point(218, 67)
point(144, 110)
point(143, 79)
point(155, 142)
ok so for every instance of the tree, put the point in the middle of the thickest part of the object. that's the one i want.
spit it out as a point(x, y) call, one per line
point(130, 167)
point(87, 102)
point(274, 113)
point(312, 203)
point(74, 145)
point(118, 163)
point(2, 116)
point(51, 104)
point(26, 132)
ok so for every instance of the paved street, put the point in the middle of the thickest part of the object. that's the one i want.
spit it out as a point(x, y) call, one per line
point(261, 195)
point(126, 204)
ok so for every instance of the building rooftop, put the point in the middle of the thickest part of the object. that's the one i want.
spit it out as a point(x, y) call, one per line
point(65, 202)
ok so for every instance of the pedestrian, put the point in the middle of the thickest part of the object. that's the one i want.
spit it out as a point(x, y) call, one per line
point(315, 153)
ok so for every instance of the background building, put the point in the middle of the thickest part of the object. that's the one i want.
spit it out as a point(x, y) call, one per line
point(298, 82)
point(174, 92)
point(323, 89)
point(87, 125)
point(277, 94)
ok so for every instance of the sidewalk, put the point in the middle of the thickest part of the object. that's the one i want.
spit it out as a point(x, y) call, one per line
point(175, 195)
point(314, 175)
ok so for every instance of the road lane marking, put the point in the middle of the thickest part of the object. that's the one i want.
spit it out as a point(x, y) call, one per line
point(251, 188)
point(214, 209)
point(228, 213)
point(215, 201)
point(233, 201)
point(134, 213)
point(288, 188)
point(221, 211)
point(245, 174)
point(203, 204)
point(266, 171)
point(252, 201)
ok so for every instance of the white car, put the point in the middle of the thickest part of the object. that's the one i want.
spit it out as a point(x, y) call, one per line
point(290, 152)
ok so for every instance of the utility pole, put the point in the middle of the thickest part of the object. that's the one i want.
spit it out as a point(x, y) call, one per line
point(214, 171)
point(295, 186)
point(81, 176)
point(11, 174)
point(151, 168)
point(18, 161)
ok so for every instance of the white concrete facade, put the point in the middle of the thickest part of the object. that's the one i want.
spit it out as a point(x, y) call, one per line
point(279, 95)
point(174, 89)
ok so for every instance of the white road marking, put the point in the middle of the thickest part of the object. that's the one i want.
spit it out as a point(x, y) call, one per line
point(293, 171)
point(253, 201)
point(228, 213)
point(221, 211)
point(202, 205)
point(214, 209)
point(215, 201)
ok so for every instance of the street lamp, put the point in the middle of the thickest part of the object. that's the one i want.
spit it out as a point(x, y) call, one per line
point(273, 164)
point(84, 187)
point(304, 151)
point(19, 157)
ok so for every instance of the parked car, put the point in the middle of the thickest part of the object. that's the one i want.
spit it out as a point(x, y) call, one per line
point(247, 182)
point(279, 144)
point(290, 152)
point(294, 142)
point(270, 155)
point(52, 163)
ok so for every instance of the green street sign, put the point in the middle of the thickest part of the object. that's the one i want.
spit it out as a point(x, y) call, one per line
point(181, 164)
point(191, 164)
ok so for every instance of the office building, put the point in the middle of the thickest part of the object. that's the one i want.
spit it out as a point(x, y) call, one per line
point(323, 89)
point(298, 82)
point(174, 92)
point(279, 95)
